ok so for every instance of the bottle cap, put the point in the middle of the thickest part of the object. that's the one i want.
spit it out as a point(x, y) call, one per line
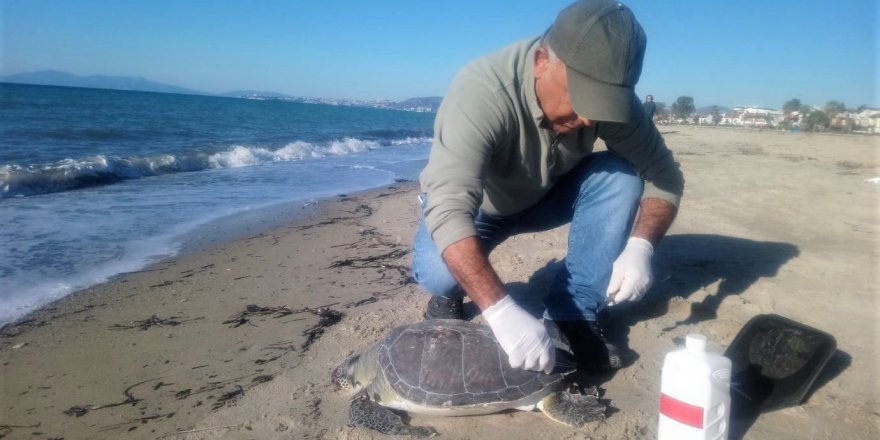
point(695, 341)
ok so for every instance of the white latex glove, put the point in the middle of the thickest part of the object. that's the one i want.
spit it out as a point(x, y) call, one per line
point(631, 273)
point(523, 338)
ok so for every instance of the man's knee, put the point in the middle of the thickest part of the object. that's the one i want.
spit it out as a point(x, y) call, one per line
point(614, 174)
point(438, 284)
point(613, 164)
point(429, 269)
point(434, 277)
point(628, 184)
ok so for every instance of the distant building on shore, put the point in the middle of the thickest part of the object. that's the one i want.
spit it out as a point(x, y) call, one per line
point(867, 121)
point(752, 116)
point(864, 121)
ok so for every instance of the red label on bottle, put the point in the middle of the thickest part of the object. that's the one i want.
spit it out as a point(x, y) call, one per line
point(681, 412)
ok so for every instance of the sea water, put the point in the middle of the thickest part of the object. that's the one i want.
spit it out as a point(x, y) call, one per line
point(94, 183)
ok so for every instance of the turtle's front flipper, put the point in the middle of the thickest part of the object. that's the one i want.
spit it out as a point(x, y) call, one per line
point(574, 410)
point(369, 414)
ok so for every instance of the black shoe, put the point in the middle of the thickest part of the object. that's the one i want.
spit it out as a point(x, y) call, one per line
point(444, 308)
point(591, 349)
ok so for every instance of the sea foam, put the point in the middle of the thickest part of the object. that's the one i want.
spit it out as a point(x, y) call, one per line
point(69, 174)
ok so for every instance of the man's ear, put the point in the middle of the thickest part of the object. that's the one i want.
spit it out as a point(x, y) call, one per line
point(542, 61)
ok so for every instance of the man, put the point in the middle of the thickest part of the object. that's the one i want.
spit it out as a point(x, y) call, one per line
point(513, 152)
point(650, 107)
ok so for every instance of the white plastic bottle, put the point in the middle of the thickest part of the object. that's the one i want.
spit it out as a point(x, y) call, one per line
point(695, 393)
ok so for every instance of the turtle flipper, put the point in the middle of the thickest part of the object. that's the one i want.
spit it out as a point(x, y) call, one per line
point(574, 410)
point(369, 414)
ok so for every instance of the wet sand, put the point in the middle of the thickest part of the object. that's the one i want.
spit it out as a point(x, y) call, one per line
point(237, 341)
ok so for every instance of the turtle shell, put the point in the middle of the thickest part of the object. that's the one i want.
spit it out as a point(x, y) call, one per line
point(451, 363)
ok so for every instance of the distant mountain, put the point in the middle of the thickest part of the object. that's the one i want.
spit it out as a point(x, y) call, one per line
point(64, 79)
point(425, 105)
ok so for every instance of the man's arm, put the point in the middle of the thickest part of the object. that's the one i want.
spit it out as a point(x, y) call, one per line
point(655, 218)
point(523, 338)
point(472, 122)
point(640, 143)
point(469, 266)
point(631, 272)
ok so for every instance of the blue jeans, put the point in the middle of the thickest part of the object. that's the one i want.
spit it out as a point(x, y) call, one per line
point(599, 197)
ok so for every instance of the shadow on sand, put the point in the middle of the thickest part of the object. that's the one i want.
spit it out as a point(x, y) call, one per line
point(683, 265)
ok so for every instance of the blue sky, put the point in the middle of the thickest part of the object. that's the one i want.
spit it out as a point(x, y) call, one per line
point(745, 52)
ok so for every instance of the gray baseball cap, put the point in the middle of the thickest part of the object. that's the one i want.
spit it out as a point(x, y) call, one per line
point(602, 46)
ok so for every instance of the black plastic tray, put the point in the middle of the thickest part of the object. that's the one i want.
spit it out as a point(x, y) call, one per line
point(775, 363)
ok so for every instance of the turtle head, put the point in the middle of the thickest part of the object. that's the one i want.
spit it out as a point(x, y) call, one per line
point(346, 376)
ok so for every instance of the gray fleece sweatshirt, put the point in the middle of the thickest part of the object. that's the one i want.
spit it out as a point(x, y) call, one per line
point(490, 150)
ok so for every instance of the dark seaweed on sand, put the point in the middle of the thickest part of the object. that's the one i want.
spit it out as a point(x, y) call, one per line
point(328, 317)
point(81, 410)
point(228, 397)
point(153, 321)
point(252, 310)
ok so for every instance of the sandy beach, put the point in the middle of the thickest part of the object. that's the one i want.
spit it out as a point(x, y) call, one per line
point(237, 341)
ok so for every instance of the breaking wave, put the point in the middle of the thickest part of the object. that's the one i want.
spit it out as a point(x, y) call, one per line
point(69, 174)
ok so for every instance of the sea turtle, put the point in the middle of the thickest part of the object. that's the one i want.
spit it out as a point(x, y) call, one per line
point(451, 367)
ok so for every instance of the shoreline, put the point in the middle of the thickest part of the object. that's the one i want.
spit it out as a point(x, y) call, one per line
point(141, 314)
point(237, 340)
point(222, 230)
